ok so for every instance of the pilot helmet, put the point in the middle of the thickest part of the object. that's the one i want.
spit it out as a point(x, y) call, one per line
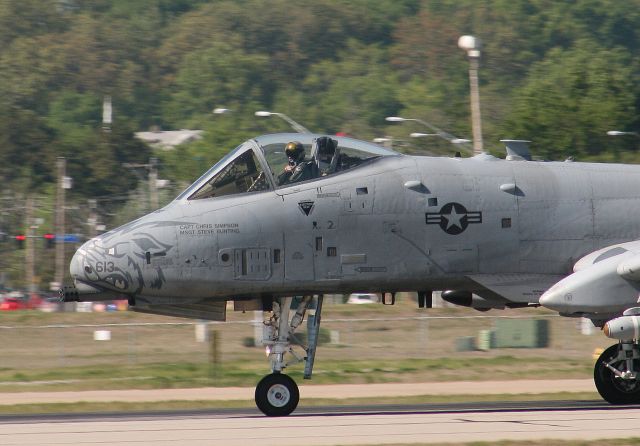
point(294, 151)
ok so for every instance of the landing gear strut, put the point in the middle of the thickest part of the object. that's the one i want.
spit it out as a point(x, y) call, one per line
point(617, 372)
point(277, 394)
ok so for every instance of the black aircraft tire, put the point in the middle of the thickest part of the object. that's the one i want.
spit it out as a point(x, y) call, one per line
point(614, 390)
point(277, 395)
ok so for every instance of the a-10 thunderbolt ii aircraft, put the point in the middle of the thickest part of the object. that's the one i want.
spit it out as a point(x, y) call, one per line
point(488, 232)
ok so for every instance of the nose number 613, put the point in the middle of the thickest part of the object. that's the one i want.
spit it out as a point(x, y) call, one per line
point(105, 267)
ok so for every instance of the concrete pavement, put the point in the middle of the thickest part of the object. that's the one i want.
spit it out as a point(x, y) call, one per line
point(337, 391)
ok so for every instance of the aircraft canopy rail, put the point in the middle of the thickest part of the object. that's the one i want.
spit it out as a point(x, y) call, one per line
point(242, 170)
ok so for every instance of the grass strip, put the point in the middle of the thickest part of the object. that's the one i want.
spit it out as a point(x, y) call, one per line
point(247, 373)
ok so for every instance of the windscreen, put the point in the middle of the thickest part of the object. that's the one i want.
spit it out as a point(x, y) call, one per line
point(216, 167)
point(334, 155)
point(242, 174)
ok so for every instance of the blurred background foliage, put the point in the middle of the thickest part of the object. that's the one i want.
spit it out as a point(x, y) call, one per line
point(558, 73)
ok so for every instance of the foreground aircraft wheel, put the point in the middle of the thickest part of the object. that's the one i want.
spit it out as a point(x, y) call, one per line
point(612, 388)
point(277, 395)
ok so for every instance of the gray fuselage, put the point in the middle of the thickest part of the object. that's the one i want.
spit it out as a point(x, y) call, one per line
point(505, 229)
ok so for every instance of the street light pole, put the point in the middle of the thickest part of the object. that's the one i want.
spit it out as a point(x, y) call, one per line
point(472, 46)
point(437, 132)
point(296, 126)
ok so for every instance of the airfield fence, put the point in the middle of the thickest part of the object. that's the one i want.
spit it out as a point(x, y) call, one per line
point(382, 342)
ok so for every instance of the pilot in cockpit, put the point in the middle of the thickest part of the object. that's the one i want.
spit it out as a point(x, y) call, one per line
point(297, 169)
point(328, 154)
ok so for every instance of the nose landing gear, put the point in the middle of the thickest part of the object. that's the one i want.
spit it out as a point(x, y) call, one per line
point(616, 374)
point(277, 394)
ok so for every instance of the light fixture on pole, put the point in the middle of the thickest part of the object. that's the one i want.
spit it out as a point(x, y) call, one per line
point(619, 133)
point(297, 127)
point(471, 45)
point(437, 132)
point(422, 135)
point(385, 141)
point(452, 141)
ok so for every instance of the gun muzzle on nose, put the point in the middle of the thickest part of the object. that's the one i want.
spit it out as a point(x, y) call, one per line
point(68, 293)
point(81, 292)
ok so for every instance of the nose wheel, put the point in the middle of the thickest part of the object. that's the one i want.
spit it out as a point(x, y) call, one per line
point(616, 374)
point(277, 395)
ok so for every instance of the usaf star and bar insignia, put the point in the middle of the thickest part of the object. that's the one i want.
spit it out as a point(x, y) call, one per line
point(453, 218)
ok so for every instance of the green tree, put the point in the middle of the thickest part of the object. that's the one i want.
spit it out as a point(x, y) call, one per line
point(221, 74)
point(29, 18)
point(573, 97)
point(353, 94)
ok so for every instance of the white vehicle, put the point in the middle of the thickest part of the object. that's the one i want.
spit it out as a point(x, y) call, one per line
point(363, 298)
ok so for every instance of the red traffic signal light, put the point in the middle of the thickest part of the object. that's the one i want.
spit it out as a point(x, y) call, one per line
point(20, 240)
point(49, 239)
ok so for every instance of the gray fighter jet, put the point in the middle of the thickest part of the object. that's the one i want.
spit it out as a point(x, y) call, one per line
point(285, 218)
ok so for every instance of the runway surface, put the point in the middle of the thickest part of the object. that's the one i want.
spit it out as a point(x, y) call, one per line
point(372, 425)
point(335, 391)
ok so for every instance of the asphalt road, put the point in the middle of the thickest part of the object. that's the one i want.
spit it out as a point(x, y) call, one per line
point(355, 425)
point(362, 425)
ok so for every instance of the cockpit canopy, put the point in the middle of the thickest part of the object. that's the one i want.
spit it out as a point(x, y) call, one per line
point(257, 164)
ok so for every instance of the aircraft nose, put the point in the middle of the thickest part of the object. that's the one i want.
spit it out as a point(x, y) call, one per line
point(77, 264)
point(555, 299)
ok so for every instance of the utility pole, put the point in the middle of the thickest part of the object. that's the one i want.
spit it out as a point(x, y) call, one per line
point(29, 251)
point(92, 221)
point(152, 177)
point(153, 183)
point(4, 227)
point(60, 230)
